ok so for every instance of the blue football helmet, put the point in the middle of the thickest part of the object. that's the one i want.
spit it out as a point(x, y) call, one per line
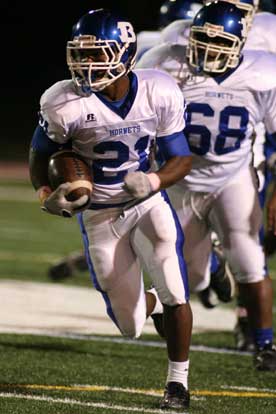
point(217, 35)
point(248, 7)
point(172, 10)
point(102, 49)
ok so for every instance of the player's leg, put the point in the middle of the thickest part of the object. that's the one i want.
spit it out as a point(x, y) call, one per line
point(162, 256)
point(222, 284)
point(191, 209)
point(237, 218)
point(115, 269)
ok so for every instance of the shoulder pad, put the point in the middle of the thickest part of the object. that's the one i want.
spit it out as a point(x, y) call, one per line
point(258, 70)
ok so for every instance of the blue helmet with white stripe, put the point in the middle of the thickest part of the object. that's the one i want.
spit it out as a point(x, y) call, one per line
point(101, 50)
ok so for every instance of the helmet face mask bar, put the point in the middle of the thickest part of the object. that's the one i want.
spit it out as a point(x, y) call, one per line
point(97, 60)
point(217, 36)
point(85, 71)
point(213, 57)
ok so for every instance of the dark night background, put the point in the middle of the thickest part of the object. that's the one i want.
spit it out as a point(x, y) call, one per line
point(33, 57)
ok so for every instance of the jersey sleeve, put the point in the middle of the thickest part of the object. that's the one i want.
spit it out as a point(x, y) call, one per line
point(154, 57)
point(269, 101)
point(54, 114)
point(170, 107)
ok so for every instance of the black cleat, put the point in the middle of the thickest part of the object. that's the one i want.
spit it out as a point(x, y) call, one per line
point(60, 271)
point(222, 281)
point(243, 335)
point(265, 359)
point(67, 267)
point(159, 324)
point(222, 285)
point(206, 298)
point(175, 397)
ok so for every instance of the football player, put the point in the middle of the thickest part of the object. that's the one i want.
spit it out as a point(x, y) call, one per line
point(113, 117)
point(170, 11)
point(260, 37)
point(226, 98)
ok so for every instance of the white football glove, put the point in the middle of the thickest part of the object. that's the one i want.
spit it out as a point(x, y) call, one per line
point(137, 184)
point(57, 203)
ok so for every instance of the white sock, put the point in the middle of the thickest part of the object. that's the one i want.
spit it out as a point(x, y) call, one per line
point(158, 308)
point(178, 372)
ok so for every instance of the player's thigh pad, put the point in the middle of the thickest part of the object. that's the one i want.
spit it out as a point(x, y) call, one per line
point(158, 241)
point(192, 211)
point(115, 271)
point(237, 218)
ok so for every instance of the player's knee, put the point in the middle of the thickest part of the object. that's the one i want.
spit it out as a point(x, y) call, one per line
point(131, 331)
point(246, 258)
point(172, 296)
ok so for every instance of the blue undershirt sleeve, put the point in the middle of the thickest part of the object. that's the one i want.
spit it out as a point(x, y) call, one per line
point(42, 143)
point(173, 145)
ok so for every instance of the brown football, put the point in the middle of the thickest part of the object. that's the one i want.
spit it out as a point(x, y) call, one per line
point(68, 166)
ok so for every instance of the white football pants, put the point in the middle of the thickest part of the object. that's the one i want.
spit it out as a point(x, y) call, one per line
point(117, 246)
point(234, 214)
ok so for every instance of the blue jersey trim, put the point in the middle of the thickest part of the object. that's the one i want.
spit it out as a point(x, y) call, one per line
point(123, 106)
point(92, 271)
point(179, 247)
point(42, 143)
point(173, 145)
point(100, 206)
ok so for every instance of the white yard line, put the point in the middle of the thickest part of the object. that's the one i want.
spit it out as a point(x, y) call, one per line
point(71, 402)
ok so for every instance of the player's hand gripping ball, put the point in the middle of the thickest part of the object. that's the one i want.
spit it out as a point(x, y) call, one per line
point(68, 167)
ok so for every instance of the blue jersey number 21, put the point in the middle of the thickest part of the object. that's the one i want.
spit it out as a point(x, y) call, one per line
point(203, 134)
point(114, 154)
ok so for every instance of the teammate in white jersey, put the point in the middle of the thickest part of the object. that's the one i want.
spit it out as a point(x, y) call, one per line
point(234, 94)
point(170, 56)
point(261, 36)
point(112, 116)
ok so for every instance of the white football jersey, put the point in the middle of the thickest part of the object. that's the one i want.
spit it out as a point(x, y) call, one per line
point(177, 32)
point(146, 40)
point(262, 34)
point(114, 141)
point(222, 113)
point(169, 57)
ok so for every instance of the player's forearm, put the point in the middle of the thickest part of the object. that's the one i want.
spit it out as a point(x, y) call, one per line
point(38, 168)
point(172, 171)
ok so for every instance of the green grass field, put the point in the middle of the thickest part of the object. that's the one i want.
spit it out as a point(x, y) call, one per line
point(50, 375)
